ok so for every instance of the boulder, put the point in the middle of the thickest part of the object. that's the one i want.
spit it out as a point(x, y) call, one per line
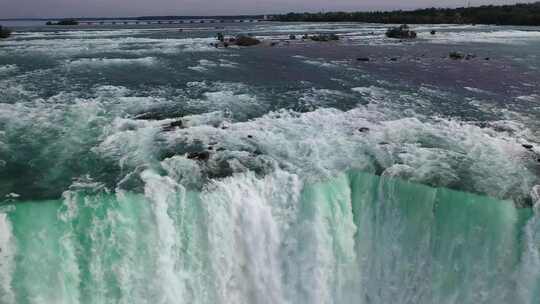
point(220, 37)
point(178, 124)
point(200, 156)
point(401, 32)
point(324, 37)
point(243, 40)
point(363, 59)
point(433, 32)
point(364, 130)
point(456, 56)
point(292, 37)
point(4, 32)
point(528, 146)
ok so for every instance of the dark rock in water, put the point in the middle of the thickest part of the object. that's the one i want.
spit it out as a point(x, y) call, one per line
point(200, 156)
point(433, 32)
point(273, 43)
point(401, 32)
point(250, 136)
point(324, 37)
point(242, 40)
point(220, 37)
point(210, 148)
point(528, 147)
point(220, 149)
point(487, 58)
point(305, 37)
point(4, 32)
point(393, 59)
point(456, 56)
point(364, 129)
point(363, 59)
point(174, 125)
point(292, 37)
point(470, 56)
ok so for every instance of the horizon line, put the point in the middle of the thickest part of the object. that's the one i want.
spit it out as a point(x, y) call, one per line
point(251, 15)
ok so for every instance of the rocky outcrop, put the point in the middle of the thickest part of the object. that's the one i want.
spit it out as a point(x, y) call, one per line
point(401, 32)
point(242, 40)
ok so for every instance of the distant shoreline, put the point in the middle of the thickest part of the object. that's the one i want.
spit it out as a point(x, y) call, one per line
point(527, 14)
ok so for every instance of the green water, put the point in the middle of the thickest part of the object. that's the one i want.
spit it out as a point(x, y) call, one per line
point(357, 238)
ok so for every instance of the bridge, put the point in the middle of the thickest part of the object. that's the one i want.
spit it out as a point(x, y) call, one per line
point(154, 22)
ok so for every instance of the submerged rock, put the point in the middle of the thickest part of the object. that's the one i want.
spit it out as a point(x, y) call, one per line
point(401, 32)
point(433, 32)
point(363, 59)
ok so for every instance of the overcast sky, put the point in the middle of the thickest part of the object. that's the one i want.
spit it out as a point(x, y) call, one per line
point(124, 8)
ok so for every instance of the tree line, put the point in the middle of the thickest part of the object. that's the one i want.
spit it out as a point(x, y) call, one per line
point(518, 14)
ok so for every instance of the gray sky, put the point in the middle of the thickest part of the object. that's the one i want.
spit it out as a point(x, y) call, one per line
point(113, 8)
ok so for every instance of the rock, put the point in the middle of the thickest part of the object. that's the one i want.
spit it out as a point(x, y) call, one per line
point(363, 130)
point(324, 37)
point(470, 56)
point(487, 58)
point(433, 32)
point(393, 59)
point(200, 156)
point(250, 136)
point(305, 37)
point(220, 37)
point(4, 32)
point(363, 59)
point(292, 37)
point(401, 32)
point(174, 125)
point(456, 56)
point(242, 40)
point(528, 146)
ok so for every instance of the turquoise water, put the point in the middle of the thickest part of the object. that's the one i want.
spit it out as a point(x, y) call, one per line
point(356, 238)
point(143, 165)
